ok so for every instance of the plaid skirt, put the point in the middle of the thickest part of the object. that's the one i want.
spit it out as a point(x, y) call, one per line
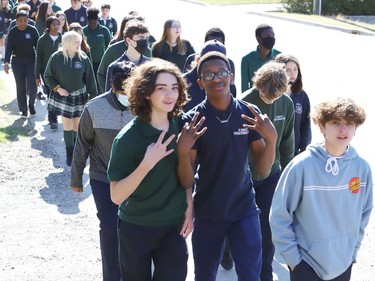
point(70, 106)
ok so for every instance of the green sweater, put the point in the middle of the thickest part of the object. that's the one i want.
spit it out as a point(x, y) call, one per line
point(44, 50)
point(98, 41)
point(281, 113)
point(71, 75)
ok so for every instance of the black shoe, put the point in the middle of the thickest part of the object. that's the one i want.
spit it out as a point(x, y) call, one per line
point(40, 96)
point(54, 126)
point(32, 110)
point(226, 260)
point(24, 115)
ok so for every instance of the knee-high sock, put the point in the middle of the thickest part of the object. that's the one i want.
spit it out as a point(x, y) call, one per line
point(68, 138)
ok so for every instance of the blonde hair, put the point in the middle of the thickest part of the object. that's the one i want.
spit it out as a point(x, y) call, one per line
point(67, 41)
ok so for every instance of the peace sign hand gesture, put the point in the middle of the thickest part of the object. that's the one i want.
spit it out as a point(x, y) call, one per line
point(189, 134)
point(157, 151)
point(262, 124)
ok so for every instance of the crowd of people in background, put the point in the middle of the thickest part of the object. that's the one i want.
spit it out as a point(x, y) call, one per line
point(175, 148)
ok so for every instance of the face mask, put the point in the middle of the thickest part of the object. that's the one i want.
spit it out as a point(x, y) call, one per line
point(268, 42)
point(142, 46)
point(123, 100)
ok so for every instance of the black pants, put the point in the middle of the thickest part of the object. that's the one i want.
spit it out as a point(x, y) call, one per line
point(23, 71)
point(52, 117)
point(304, 272)
point(264, 191)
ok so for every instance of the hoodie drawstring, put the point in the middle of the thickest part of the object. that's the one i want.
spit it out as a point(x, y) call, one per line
point(332, 166)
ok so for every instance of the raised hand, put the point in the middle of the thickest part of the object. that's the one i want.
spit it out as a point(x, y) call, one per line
point(260, 123)
point(157, 151)
point(190, 133)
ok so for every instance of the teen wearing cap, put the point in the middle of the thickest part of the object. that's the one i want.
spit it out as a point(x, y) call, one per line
point(224, 202)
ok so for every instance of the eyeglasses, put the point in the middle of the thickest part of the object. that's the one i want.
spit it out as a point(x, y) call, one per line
point(208, 76)
point(176, 26)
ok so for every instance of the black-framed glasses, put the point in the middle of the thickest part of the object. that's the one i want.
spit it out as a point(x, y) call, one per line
point(208, 76)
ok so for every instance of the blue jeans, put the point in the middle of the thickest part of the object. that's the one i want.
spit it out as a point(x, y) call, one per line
point(244, 239)
point(264, 191)
point(107, 215)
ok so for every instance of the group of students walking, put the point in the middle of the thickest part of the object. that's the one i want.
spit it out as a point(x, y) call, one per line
point(175, 150)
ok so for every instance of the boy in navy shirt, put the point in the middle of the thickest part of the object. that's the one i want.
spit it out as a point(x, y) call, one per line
point(224, 199)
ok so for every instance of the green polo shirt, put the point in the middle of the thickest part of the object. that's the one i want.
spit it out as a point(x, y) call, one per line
point(159, 199)
point(251, 63)
point(98, 40)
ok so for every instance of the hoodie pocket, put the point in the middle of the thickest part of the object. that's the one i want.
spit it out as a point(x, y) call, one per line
point(331, 257)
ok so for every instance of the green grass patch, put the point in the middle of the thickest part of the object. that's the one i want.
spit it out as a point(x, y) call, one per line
point(227, 2)
point(11, 126)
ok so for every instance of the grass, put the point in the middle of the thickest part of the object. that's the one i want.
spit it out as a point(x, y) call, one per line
point(12, 128)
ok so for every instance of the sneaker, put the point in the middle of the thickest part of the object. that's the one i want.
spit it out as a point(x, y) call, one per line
point(32, 110)
point(40, 96)
point(24, 115)
point(54, 126)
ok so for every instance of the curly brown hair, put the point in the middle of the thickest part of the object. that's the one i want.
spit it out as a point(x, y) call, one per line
point(339, 108)
point(141, 84)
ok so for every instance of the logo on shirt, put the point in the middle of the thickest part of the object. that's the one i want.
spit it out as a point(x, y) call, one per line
point(354, 185)
point(78, 65)
point(110, 25)
point(27, 36)
point(82, 19)
point(298, 108)
point(241, 131)
point(279, 118)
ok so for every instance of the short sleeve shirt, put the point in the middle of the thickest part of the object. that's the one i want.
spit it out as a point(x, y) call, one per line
point(223, 180)
point(159, 199)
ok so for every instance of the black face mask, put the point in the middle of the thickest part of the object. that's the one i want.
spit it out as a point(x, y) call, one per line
point(142, 46)
point(268, 42)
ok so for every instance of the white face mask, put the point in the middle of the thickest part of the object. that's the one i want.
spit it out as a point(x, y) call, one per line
point(123, 100)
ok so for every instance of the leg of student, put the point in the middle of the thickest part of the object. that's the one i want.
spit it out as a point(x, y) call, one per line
point(19, 72)
point(68, 138)
point(244, 237)
point(107, 215)
point(170, 259)
point(31, 85)
point(207, 242)
point(136, 244)
point(264, 191)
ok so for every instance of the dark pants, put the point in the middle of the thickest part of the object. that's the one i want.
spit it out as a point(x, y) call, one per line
point(264, 191)
point(52, 117)
point(304, 272)
point(162, 245)
point(107, 215)
point(244, 240)
point(23, 71)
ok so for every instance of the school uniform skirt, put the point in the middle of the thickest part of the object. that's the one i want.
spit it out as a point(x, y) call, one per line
point(70, 106)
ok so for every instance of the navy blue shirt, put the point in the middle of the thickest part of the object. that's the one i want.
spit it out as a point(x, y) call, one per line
point(224, 189)
point(302, 122)
point(79, 15)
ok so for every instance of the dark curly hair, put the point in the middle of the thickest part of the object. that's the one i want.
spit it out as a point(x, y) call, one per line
point(141, 85)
